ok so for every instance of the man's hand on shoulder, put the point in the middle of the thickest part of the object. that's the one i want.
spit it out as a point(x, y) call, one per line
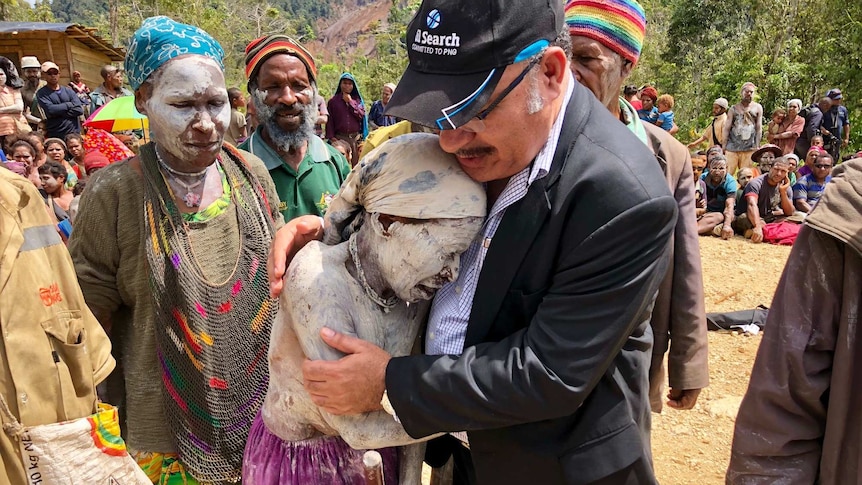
point(287, 242)
point(353, 384)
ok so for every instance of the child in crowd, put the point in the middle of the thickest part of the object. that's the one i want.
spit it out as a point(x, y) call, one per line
point(774, 126)
point(743, 176)
point(698, 164)
point(817, 141)
point(23, 152)
point(793, 160)
point(57, 152)
point(665, 112)
point(76, 199)
point(53, 177)
point(343, 147)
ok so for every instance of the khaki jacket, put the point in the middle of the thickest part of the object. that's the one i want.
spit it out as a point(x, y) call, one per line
point(52, 349)
point(799, 422)
point(679, 316)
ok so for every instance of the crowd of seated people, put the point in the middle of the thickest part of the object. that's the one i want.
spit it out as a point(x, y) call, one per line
point(777, 188)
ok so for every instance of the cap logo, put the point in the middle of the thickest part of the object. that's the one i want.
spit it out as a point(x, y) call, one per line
point(434, 44)
point(433, 19)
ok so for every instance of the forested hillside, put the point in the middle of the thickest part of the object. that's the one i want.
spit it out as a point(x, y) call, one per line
point(696, 50)
point(699, 50)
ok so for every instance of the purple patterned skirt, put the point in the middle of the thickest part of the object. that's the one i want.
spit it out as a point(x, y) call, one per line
point(326, 460)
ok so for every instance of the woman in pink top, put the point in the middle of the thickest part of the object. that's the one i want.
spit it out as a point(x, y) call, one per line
point(790, 128)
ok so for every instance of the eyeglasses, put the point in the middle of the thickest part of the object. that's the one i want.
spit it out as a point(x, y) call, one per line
point(822, 166)
point(477, 123)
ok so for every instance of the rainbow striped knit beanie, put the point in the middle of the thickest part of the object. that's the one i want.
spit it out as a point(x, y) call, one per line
point(618, 24)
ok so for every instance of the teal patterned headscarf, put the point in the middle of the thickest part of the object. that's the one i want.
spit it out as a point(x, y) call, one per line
point(160, 39)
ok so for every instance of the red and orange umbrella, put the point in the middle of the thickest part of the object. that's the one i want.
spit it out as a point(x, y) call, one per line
point(108, 144)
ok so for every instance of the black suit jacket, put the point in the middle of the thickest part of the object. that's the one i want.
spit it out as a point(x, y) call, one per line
point(552, 384)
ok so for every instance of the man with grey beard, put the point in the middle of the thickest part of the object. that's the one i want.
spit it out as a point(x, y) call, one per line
point(307, 172)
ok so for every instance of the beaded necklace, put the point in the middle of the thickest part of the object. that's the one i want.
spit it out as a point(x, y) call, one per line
point(211, 336)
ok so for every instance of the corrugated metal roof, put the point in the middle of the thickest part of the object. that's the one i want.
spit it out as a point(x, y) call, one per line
point(82, 34)
point(14, 27)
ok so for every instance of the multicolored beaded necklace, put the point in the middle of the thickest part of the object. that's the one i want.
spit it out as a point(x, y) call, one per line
point(212, 336)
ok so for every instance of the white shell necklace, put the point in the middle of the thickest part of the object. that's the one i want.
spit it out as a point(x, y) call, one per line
point(191, 197)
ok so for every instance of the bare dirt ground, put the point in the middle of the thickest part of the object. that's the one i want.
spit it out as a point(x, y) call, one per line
point(693, 447)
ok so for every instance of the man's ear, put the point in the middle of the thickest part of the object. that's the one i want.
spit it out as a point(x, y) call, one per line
point(626, 70)
point(553, 71)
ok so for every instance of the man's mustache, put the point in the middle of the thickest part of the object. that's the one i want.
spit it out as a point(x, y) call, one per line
point(283, 109)
point(474, 152)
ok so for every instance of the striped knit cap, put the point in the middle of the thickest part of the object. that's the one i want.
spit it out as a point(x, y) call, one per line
point(261, 49)
point(618, 24)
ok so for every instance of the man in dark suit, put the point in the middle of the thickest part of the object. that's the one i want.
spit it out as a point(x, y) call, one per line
point(540, 348)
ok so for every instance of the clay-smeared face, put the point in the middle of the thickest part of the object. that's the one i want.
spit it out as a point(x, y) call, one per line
point(717, 171)
point(188, 110)
point(418, 259)
point(284, 101)
point(32, 74)
point(50, 184)
point(745, 176)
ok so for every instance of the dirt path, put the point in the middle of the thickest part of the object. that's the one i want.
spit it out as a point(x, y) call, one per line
point(693, 447)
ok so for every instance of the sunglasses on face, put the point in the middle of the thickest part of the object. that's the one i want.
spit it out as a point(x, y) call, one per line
point(822, 166)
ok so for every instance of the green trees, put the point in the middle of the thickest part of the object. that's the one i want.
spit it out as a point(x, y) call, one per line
point(698, 50)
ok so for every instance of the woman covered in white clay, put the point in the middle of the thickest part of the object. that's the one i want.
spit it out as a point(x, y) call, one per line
point(398, 225)
point(170, 250)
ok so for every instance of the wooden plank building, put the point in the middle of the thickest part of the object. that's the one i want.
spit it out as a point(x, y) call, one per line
point(72, 47)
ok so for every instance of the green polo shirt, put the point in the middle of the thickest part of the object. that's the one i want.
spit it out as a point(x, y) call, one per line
point(309, 189)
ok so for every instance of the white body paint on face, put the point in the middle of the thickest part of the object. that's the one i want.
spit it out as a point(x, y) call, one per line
point(416, 260)
point(189, 111)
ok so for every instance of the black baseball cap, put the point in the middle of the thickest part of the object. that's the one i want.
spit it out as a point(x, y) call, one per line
point(458, 50)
